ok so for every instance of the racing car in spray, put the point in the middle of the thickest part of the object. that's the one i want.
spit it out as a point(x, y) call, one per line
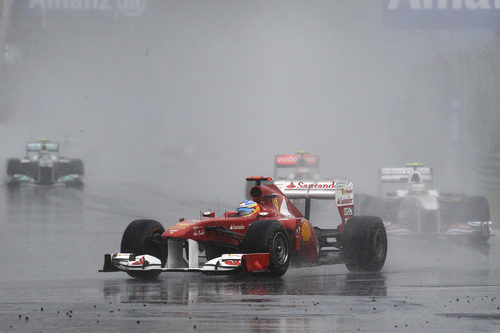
point(42, 165)
point(268, 242)
point(298, 166)
point(420, 209)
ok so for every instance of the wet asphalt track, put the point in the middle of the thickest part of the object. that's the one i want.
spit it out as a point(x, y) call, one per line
point(52, 241)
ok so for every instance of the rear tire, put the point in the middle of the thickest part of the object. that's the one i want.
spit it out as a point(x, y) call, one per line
point(269, 236)
point(477, 209)
point(137, 239)
point(364, 242)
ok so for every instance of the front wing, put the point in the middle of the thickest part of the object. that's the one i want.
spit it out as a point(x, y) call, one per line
point(226, 264)
point(24, 179)
point(469, 228)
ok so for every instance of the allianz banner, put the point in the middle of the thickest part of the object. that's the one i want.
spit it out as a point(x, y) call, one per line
point(113, 8)
point(441, 14)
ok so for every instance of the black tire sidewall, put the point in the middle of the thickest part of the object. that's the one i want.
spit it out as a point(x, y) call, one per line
point(76, 167)
point(134, 241)
point(358, 241)
point(13, 166)
point(259, 239)
point(477, 209)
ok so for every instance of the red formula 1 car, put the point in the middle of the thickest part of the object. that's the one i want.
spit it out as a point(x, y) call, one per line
point(268, 242)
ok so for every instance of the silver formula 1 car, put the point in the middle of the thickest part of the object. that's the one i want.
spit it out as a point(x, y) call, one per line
point(42, 165)
point(415, 207)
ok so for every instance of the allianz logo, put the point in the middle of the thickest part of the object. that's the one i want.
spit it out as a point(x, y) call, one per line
point(444, 4)
point(71, 4)
point(127, 7)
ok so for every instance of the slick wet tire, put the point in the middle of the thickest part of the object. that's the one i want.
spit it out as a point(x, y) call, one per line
point(137, 239)
point(477, 209)
point(76, 167)
point(364, 243)
point(269, 236)
point(13, 166)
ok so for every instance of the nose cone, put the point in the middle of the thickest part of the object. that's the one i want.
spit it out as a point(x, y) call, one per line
point(180, 230)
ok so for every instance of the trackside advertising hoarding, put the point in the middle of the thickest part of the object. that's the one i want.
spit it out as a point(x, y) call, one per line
point(441, 14)
point(113, 8)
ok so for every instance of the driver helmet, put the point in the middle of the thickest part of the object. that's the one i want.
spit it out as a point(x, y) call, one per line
point(43, 148)
point(248, 208)
point(416, 186)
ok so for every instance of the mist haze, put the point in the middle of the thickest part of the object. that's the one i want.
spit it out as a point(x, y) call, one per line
point(171, 104)
point(209, 92)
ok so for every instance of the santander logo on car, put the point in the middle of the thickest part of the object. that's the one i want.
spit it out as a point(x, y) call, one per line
point(307, 185)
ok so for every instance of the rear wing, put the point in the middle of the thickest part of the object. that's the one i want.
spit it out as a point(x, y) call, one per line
point(401, 175)
point(37, 146)
point(298, 189)
point(341, 191)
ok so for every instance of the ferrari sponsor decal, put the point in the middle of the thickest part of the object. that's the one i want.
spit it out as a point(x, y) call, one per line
point(122, 256)
point(231, 255)
point(305, 232)
point(199, 232)
point(346, 191)
point(348, 211)
point(232, 262)
point(276, 204)
point(185, 224)
point(182, 225)
point(139, 262)
point(236, 227)
point(300, 185)
point(346, 201)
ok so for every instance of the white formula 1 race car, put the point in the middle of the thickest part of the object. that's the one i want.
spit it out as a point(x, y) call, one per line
point(417, 208)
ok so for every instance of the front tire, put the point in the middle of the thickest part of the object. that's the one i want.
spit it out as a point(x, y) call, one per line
point(14, 166)
point(76, 167)
point(137, 239)
point(269, 236)
point(364, 242)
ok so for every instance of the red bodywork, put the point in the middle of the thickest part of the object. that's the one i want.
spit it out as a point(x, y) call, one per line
point(274, 205)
